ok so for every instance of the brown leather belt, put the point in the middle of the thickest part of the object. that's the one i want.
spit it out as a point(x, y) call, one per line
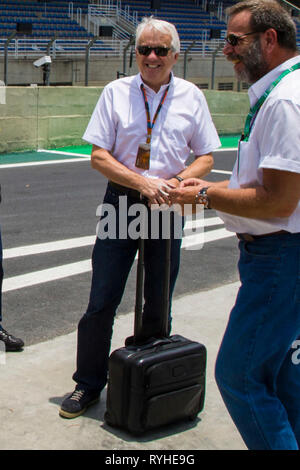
point(247, 237)
point(133, 193)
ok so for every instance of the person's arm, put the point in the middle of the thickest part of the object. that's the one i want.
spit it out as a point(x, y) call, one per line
point(277, 197)
point(189, 188)
point(200, 167)
point(103, 161)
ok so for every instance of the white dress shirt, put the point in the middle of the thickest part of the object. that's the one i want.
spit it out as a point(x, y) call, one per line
point(274, 143)
point(119, 124)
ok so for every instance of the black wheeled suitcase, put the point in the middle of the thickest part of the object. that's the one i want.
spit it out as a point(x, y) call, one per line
point(158, 381)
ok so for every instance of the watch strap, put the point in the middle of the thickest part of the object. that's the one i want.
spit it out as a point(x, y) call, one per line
point(202, 198)
point(178, 178)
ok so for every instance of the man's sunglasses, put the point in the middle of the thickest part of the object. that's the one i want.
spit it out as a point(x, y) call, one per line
point(159, 51)
point(233, 39)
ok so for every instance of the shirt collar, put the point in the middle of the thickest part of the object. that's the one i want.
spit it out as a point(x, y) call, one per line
point(162, 88)
point(259, 87)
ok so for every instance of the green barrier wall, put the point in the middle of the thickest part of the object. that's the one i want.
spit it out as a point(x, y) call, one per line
point(51, 117)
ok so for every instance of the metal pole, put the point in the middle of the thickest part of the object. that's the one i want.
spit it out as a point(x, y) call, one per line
point(6, 55)
point(214, 55)
point(185, 58)
point(47, 67)
point(130, 42)
point(87, 58)
point(50, 44)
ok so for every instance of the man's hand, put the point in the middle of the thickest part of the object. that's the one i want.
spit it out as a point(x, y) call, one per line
point(186, 192)
point(156, 190)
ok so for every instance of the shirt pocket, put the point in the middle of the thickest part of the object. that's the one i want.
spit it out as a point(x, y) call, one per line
point(247, 171)
point(178, 132)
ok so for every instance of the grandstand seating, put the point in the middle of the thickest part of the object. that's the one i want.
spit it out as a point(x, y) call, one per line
point(46, 18)
point(52, 18)
point(190, 20)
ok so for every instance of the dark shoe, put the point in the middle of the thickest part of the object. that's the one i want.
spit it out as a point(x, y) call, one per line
point(77, 403)
point(11, 343)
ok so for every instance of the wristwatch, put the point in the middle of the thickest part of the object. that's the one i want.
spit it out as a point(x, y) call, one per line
point(178, 178)
point(202, 198)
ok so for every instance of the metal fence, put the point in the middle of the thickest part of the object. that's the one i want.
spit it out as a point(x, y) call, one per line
point(20, 48)
point(112, 13)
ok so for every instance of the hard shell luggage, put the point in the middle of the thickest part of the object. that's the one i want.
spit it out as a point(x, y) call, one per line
point(156, 381)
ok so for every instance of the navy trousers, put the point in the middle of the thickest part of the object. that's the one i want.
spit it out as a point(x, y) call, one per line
point(112, 260)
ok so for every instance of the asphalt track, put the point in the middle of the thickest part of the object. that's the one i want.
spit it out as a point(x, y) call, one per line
point(48, 223)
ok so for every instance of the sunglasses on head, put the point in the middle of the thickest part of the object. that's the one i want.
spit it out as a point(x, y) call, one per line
point(233, 39)
point(160, 51)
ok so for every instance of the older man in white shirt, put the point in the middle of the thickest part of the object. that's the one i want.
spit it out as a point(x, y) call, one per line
point(142, 130)
point(256, 372)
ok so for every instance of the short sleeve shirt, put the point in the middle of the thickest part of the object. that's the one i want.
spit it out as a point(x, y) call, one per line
point(119, 124)
point(274, 143)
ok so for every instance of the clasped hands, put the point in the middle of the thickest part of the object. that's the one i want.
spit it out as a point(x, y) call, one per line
point(169, 193)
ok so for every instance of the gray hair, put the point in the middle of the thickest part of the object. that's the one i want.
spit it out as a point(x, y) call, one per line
point(160, 25)
point(267, 14)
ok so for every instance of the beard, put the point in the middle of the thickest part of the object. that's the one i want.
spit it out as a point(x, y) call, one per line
point(255, 66)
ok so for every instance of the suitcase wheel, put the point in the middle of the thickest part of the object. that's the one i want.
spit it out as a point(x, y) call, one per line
point(193, 417)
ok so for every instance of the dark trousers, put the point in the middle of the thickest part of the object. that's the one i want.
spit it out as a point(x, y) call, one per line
point(112, 260)
point(258, 367)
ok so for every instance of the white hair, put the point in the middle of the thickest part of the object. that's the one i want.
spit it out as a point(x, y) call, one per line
point(160, 25)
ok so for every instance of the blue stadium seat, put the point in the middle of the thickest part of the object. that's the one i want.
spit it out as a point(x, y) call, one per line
point(190, 20)
point(45, 18)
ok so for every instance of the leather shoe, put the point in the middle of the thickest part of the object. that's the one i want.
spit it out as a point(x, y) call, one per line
point(11, 343)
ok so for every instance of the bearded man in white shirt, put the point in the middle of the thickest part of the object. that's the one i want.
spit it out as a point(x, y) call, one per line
point(257, 368)
point(142, 130)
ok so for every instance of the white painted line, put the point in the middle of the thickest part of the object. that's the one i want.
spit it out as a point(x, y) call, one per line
point(225, 149)
point(218, 234)
point(73, 269)
point(60, 152)
point(198, 240)
point(48, 247)
point(209, 221)
point(44, 162)
point(81, 157)
point(226, 172)
point(206, 222)
point(79, 242)
point(45, 275)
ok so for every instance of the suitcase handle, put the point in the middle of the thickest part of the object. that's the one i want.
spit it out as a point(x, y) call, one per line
point(139, 292)
point(132, 342)
point(138, 321)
